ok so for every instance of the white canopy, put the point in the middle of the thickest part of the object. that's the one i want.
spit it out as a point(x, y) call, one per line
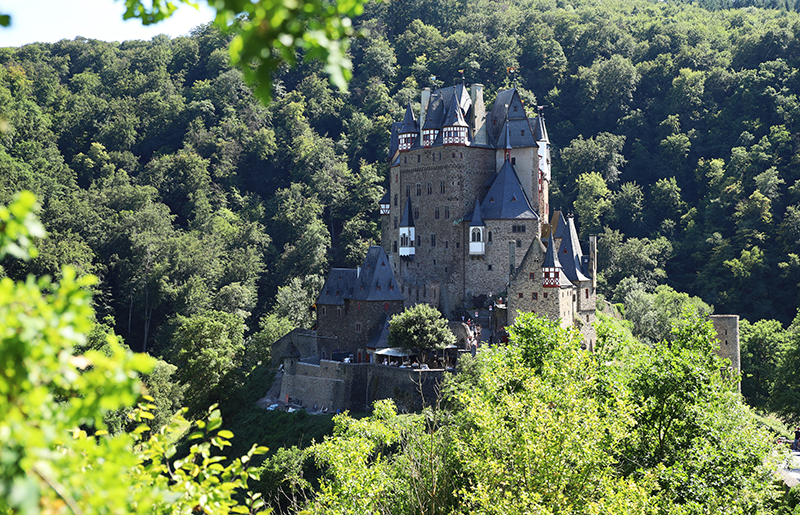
point(393, 351)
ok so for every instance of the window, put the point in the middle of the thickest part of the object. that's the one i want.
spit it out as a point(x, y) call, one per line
point(513, 160)
point(454, 154)
point(447, 244)
point(519, 244)
point(534, 296)
point(324, 310)
point(458, 244)
point(446, 212)
point(433, 243)
point(476, 234)
point(338, 312)
point(532, 276)
point(419, 189)
point(545, 295)
point(395, 222)
point(416, 213)
point(490, 268)
point(359, 306)
point(489, 237)
point(520, 295)
point(394, 246)
point(418, 158)
point(396, 177)
point(419, 242)
point(522, 133)
point(358, 327)
point(517, 228)
point(587, 293)
point(395, 200)
point(405, 160)
point(430, 189)
point(386, 306)
point(408, 191)
point(436, 213)
point(441, 187)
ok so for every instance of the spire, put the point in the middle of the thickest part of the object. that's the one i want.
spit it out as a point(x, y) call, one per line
point(455, 118)
point(408, 218)
point(409, 122)
point(477, 218)
point(571, 253)
point(551, 256)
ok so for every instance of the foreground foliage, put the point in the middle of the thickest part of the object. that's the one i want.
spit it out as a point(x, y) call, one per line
point(541, 426)
point(55, 454)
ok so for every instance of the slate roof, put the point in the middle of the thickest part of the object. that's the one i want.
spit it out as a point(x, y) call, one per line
point(506, 199)
point(508, 108)
point(440, 104)
point(455, 117)
point(339, 286)
point(394, 141)
point(380, 338)
point(507, 125)
point(570, 253)
point(477, 219)
point(409, 124)
point(408, 218)
point(515, 134)
point(560, 224)
point(374, 281)
point(551, 260)
point(386, 199)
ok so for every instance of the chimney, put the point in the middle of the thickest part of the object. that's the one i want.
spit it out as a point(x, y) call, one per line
point(593, 259)
point(478, 119)
point(426, 97)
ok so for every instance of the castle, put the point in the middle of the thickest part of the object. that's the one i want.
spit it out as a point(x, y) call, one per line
point(466, 223)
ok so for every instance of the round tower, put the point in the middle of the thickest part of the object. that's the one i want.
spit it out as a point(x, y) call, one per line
point(727, 328)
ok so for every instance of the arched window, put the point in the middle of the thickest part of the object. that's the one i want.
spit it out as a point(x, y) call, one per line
point(476, 234)
point(489, 237)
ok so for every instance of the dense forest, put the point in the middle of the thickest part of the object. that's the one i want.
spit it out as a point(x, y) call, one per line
point(210, 220)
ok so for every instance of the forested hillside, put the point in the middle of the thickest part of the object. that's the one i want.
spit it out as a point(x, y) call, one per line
point(674, 129)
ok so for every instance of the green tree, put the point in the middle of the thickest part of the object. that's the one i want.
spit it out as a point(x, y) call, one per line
point(420, 327)
point(763, 349)
point(64, 459)
point(208, 347)
point(592, 204)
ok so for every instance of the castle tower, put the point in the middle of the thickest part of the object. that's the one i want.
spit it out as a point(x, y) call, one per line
point(727, 328)
point(543, 160)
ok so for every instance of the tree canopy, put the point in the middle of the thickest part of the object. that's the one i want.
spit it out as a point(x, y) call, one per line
point(420, 327)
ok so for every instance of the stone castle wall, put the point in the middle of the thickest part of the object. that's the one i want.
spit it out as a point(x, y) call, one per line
point(479, 278)
point(299, 342)
point(356, 386)
point(338, 326)
point(438, 264)
point(727, 328)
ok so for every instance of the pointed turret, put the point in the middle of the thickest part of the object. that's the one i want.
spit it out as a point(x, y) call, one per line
point(385, 204)
point(408, 131)
point(570, 253)
point(407, 231)
point(551, 268)
point(455, 129)
point(477, 245)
